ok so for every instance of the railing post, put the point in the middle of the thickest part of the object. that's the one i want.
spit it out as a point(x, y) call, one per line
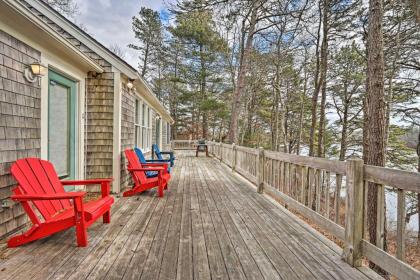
point(260, 170)
point(234, 157)
point(401, 224)
point(354, 212)
point(221, 152)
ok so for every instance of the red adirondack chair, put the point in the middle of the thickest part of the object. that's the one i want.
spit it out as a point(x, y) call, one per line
point(39, 187)
point(141, 182)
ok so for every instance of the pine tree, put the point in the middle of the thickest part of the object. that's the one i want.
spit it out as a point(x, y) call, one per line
point(148, 30)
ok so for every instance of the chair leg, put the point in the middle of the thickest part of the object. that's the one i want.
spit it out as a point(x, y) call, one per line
point(81, 235)
point(107, 217)
point(160, 190)
point(81, 228)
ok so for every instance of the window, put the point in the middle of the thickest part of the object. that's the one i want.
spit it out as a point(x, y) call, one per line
point(168, 133)
point(158, 126)
point(137, 126)
point(143, 127)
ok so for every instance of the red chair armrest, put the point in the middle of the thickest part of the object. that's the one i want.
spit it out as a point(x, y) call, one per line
point(105, 184)
point(155, 164)
point(66, 195)
point(147, 169)
point(86, 182)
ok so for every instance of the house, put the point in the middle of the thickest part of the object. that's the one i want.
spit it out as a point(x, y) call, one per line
point(86, 106)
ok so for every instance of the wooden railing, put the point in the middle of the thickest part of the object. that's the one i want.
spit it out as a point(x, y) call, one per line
point(184, 144)
point(332, 194)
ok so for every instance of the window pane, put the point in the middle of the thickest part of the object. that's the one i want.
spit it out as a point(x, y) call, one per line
point(137, 136)
point(136, 118)
point(143, 138)
point(150, 137)
point(59, 129)
point(144, 115)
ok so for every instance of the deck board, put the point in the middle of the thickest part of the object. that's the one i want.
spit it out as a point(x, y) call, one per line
point(211, 224)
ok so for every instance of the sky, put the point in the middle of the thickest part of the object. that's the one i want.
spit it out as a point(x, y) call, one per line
point(109, 21)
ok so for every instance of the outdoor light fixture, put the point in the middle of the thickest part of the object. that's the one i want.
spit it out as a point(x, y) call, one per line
point(130, 83)
point(34, 71)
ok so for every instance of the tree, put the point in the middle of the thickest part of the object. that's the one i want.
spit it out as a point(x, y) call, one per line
point(148, 30)
point(347, 81)
point(375, 112)
point(117, 50)
point(66, 7)
point(202, 53)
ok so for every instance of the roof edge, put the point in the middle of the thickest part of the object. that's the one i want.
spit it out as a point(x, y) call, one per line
point(96, 46)
point(21, 9)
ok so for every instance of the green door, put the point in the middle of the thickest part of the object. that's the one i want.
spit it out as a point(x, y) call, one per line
point(62, 124)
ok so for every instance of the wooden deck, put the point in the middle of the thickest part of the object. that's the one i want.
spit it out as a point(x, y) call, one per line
point(211, 224)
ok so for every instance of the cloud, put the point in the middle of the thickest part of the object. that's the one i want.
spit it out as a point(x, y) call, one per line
point(109, 21)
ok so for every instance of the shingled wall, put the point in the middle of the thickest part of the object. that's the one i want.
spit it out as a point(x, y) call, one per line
point(127, 133)
point(20, 123)
point(99, 125)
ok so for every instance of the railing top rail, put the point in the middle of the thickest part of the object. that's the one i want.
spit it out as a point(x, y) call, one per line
point(227, 145)
point(248, 150)
point(184, 141)
point(338, 167)
point(401, 179)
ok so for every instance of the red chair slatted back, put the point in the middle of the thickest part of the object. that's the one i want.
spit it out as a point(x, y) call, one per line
point(133, 162)
point(36, 176)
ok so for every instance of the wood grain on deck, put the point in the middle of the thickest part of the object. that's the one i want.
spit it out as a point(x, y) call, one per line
point(211, 224)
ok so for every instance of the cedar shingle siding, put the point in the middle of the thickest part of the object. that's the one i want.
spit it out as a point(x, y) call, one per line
point(20, 117)
point(127, 133)
point(99, 125)
point(20, 122)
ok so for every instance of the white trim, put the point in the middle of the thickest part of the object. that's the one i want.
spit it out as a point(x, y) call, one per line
point(116, 151)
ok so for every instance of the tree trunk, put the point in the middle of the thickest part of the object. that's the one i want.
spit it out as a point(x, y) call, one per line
point(315, 93)
point(343, 142)
point(323, 79)
point(173, 98)
point(418, 195)
point(302, 105)
point(146, 56)
point(375, 110)
point(243, 69)
point(275, 118)
point(203, 85)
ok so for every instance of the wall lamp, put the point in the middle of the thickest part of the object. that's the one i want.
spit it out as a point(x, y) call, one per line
point(130, 83)
point(33, 71)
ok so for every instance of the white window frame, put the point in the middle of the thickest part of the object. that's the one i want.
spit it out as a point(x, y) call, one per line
point(142, 125)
